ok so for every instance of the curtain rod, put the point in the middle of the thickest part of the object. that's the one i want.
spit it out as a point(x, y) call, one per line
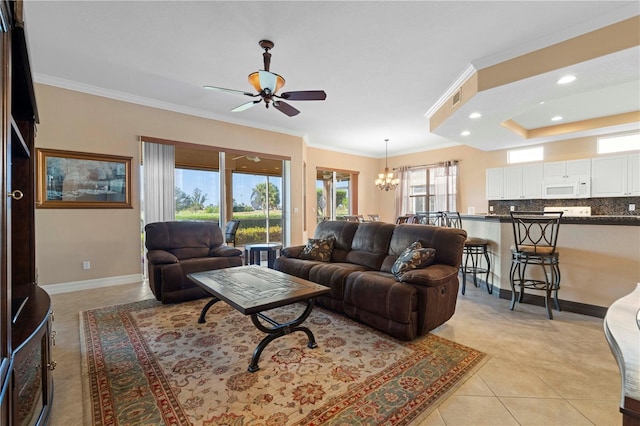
point(431, 165)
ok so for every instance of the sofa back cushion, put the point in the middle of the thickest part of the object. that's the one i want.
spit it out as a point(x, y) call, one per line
point(185, 240)
point(371, 244)
point(448, 243)
point(343, 233)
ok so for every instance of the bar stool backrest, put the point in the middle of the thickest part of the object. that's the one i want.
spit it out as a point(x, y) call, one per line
point(452, 219)
point(536, 232)
point(429, 218)
point(407, 218)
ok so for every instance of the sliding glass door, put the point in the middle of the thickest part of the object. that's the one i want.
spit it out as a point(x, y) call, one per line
point(334, 195)
point(257, 204)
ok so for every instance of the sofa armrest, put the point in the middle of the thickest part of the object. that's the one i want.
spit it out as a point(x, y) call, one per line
point(292, 251)
point(224, 251)
point(161, 257)
point(431, 276)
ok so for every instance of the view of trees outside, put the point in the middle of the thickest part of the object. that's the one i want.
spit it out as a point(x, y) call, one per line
point(324, 198)
point(197, 198)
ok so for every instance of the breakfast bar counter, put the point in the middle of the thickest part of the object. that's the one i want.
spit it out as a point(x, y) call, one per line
point(599, 257)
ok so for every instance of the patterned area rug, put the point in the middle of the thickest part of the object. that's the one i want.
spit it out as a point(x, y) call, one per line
point(152, 364)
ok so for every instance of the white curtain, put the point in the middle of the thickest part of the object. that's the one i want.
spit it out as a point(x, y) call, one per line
point(444, 181)
point(402, 192)
point(158, 164)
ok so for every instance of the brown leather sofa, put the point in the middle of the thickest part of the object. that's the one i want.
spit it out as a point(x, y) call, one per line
point(362, 285)
point(175, 249)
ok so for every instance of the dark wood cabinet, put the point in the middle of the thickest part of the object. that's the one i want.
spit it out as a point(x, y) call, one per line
point(26, 384)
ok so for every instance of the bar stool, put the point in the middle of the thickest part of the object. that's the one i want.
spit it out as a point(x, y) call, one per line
point(430, 218)
point(536, 235)
point(473, 249)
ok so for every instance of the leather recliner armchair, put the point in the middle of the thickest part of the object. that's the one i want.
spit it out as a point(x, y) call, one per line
point(175, 249)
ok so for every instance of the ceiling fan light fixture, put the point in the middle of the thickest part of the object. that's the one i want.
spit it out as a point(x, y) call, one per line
point(254, 80)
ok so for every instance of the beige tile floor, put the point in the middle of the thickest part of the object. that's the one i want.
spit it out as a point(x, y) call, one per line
point(540, 372)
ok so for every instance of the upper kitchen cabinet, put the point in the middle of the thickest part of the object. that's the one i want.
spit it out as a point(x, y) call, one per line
point(572, 169)
point(514, 183)
point(495, 183)
point(616, 176)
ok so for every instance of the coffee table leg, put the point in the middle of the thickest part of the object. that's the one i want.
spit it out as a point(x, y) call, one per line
point(206, 307)
point(279, 330)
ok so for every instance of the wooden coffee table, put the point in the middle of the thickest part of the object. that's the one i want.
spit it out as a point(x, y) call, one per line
point(254, 289)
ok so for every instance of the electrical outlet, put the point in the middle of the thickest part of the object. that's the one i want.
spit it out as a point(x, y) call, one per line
point(491, 208)
point(86, 265)
point(512, 208)
point(632, 207)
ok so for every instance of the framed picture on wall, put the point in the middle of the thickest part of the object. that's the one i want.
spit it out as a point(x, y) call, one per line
point(68, 180)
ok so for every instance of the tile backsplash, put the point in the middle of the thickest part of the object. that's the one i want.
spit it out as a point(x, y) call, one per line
point(613, 206)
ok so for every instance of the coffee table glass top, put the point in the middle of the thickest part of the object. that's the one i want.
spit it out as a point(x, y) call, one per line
point(254, 288)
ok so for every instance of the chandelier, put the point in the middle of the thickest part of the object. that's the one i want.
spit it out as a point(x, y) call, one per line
point(386, 180)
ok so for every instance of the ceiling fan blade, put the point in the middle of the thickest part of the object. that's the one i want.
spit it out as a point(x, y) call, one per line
point(305, 95)
point(222, 89)
point(285, 108)
point(246, 106)
point(268, 80)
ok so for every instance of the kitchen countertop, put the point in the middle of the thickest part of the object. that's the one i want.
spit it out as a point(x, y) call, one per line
point(626, 220)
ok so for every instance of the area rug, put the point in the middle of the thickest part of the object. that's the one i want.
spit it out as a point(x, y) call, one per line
point(145, 363)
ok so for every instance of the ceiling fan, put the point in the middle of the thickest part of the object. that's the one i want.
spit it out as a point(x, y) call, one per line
point(253, 158)
point(267, 84)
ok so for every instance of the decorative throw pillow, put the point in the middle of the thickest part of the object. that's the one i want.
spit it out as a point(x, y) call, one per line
point(318, 249)
point(414, 256)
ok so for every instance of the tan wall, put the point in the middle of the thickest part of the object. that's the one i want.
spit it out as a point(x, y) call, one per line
point(110, 238)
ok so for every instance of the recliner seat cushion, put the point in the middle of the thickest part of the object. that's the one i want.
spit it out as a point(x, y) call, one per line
point(378, 299)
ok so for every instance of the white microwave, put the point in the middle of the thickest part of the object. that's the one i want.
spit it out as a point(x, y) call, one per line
point(569, 188)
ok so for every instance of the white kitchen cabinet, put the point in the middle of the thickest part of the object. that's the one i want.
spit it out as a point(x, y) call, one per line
point(495, 183)
point(572, 169)
point(514, 183)
point(616, 176)
point(532, 176)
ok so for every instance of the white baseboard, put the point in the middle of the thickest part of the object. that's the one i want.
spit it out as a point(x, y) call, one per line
point(91, 284)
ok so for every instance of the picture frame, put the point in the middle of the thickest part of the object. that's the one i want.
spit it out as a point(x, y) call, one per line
point(80, 180)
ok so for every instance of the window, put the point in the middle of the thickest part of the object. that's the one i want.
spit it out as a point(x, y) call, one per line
point(431, 188)
point(629, 142)
point(196, 194)
point(525, 155)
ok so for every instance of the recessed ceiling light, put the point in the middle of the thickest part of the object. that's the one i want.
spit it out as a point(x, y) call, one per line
point(566, 79)
point(556, 118)
point(465, 133)
point(541, 102)
point(475, 115)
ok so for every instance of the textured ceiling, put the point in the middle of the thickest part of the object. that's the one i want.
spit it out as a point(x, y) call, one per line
point(382, 64)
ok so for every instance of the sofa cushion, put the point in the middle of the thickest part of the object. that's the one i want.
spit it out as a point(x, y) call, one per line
point(371, 244)
point(342, 231)
point(318, 249)
point(333, 276)
point(447, 241)
point(378, 299)
point(414, 256)
point(294, 266)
